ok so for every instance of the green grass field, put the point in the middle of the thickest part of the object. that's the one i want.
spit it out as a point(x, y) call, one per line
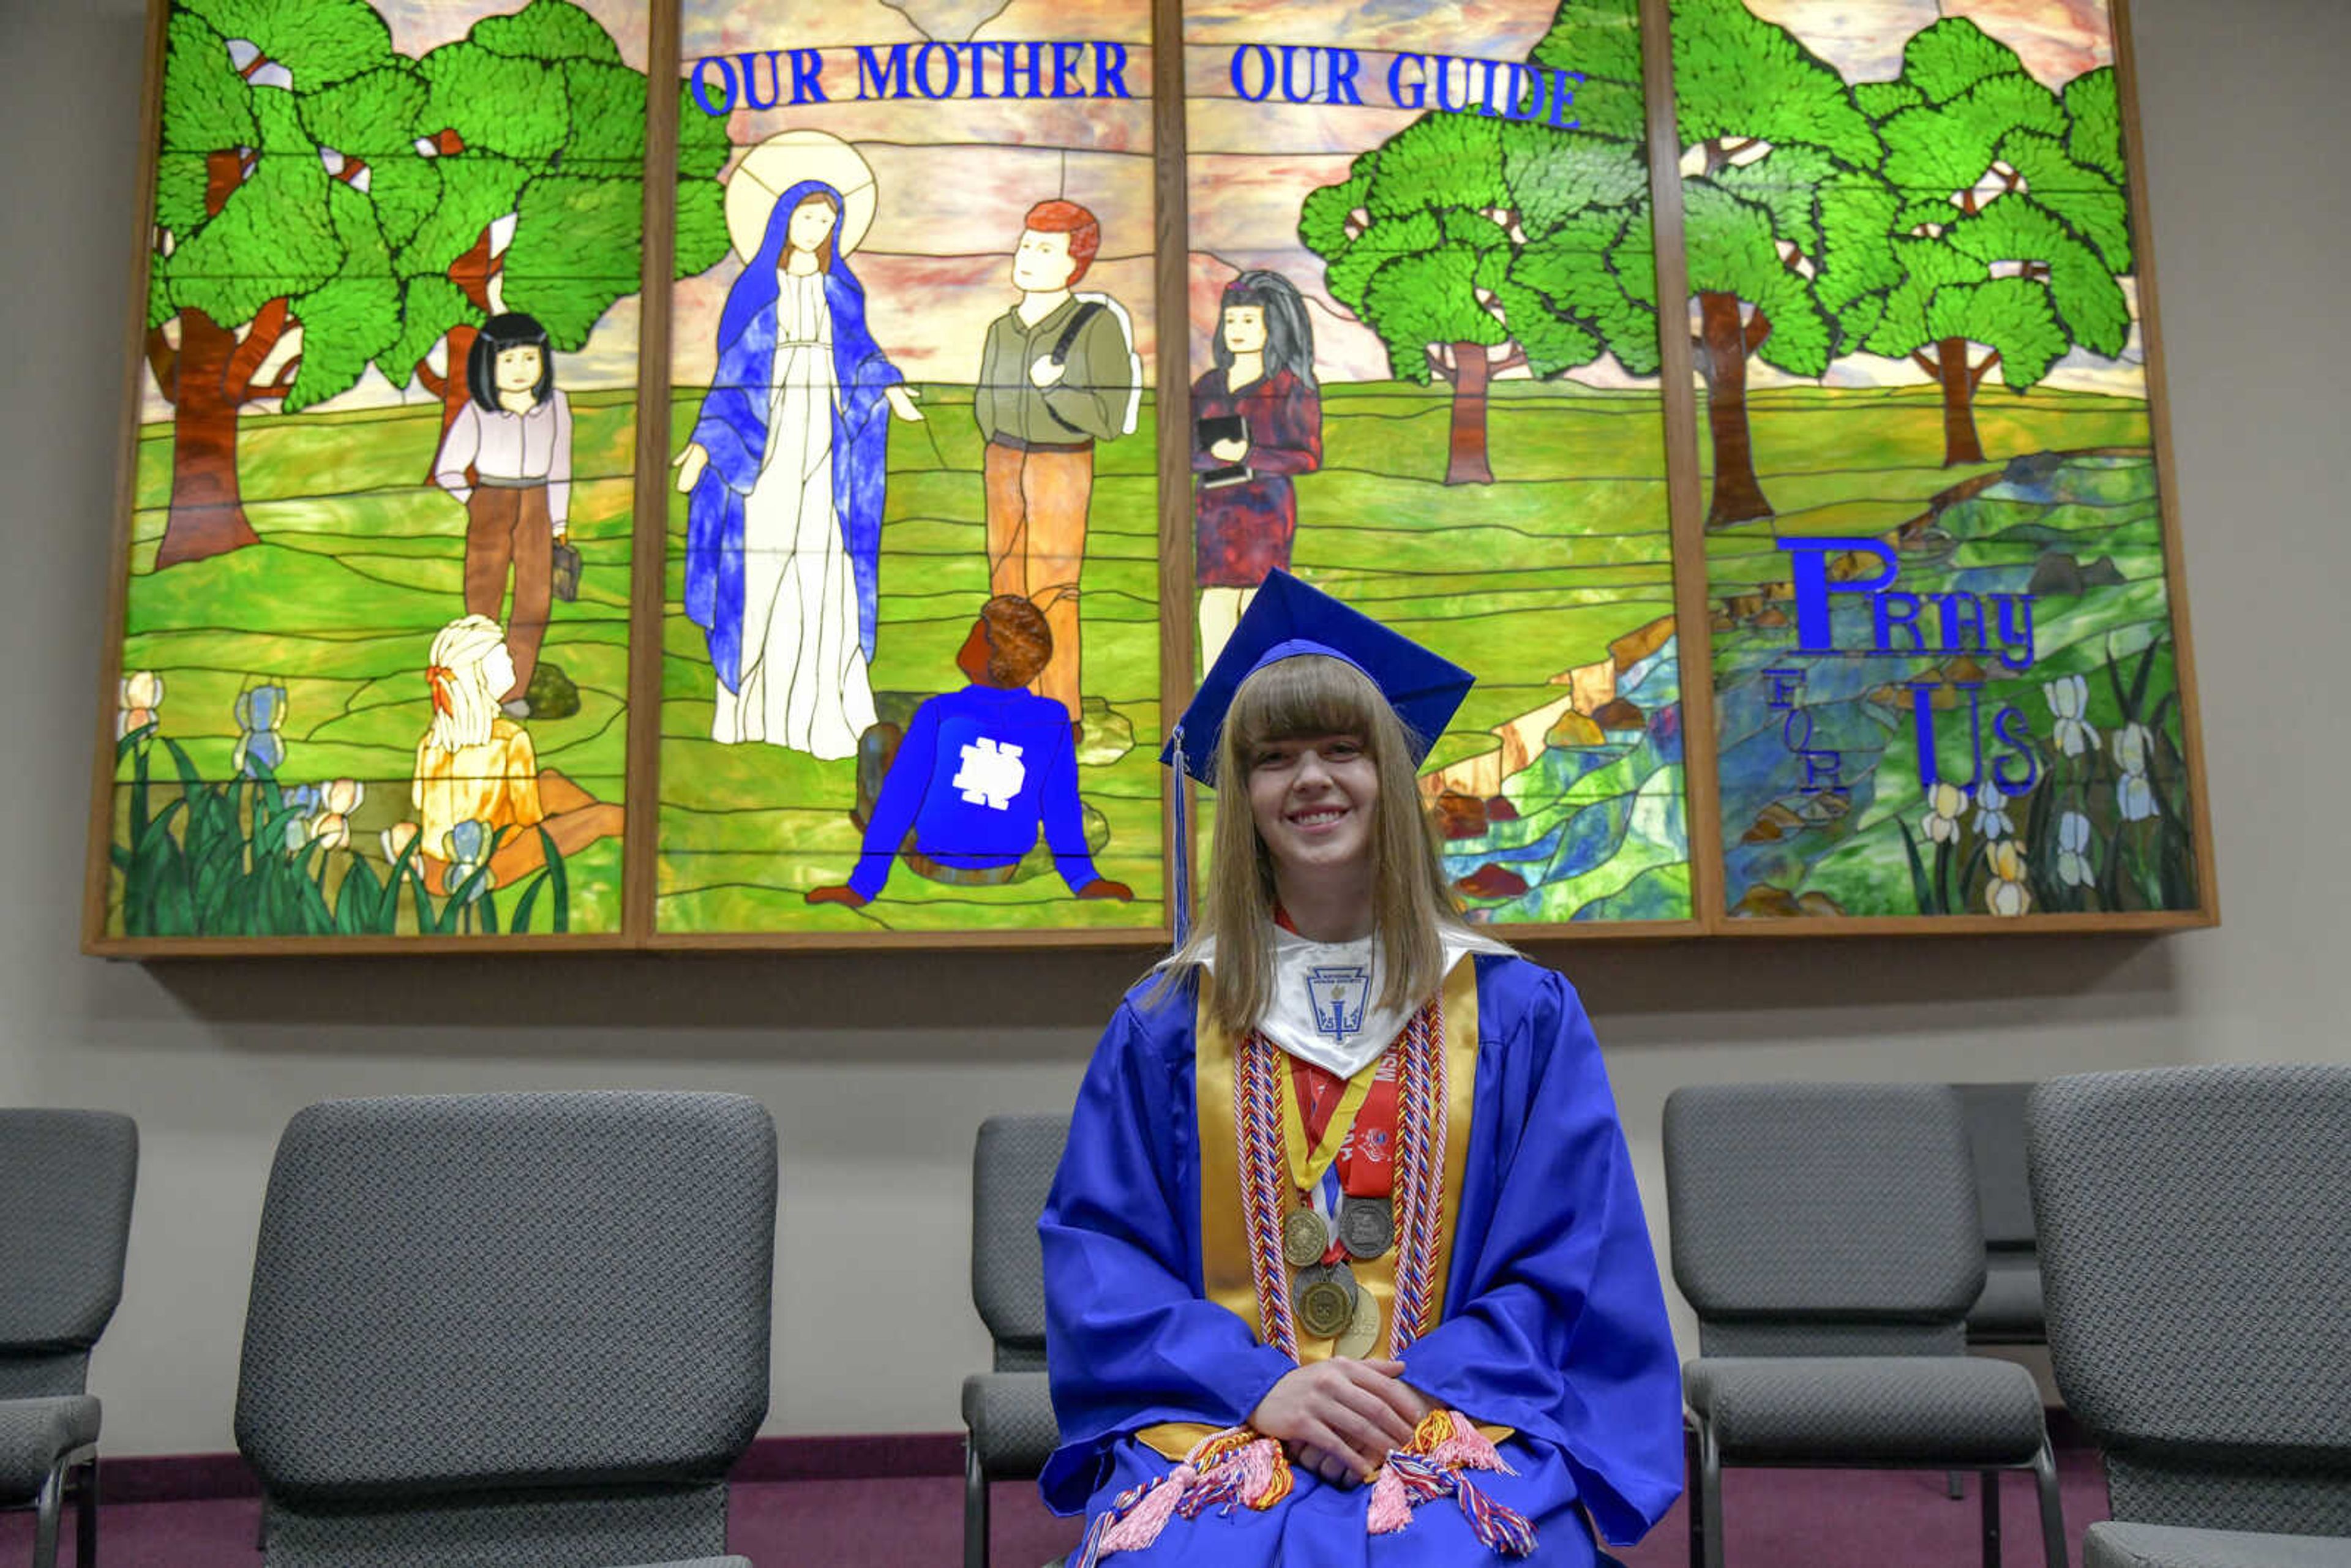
point(360, 563)
point(1522, 580)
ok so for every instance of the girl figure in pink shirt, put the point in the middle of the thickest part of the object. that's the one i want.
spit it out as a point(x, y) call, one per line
point(508, 459)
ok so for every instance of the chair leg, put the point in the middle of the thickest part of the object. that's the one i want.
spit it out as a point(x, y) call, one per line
point(975, 1509)
point(1709, 1487)
point(2053, 1507)
point(1954, 1485)
point(86, 1518)
point(50, 1503)
point(1690, 1499)
point(1991, 1482)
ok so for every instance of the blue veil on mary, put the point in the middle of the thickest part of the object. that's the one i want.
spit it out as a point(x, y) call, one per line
point(733, 428)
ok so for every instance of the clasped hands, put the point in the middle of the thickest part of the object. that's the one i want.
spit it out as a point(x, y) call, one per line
point(1340, 1418)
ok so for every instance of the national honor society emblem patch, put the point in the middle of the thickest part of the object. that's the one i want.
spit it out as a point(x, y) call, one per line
point(1339, 993)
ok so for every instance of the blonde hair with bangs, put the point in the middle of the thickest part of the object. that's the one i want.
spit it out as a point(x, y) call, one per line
point(1412, 906)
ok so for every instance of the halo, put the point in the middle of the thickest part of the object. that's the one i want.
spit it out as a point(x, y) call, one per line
point(783, 160)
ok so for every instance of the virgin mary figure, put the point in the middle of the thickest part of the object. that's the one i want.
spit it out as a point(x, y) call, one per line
point(786, 471)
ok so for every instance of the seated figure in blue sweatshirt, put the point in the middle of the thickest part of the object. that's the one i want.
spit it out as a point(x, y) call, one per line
point(980, 770)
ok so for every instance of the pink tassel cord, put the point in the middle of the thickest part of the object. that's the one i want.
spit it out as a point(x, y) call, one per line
point(1235, 1468)
point(1262, 1472)
point(1468, 1449)
point(1140, 1525)
point(1239, 1469)
point(1390, 1508)
point(1450, 1448)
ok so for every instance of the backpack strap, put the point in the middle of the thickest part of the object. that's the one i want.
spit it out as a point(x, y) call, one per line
point(1086, 311)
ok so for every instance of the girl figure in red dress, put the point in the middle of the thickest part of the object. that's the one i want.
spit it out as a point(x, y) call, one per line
point(1257, 421)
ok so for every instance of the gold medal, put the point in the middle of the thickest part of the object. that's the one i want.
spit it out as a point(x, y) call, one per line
point(1305, 1238)
point(1323, 1304)
point(1362, 1334)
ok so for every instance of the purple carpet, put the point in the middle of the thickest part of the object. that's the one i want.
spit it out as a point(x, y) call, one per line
point(1774, 1519)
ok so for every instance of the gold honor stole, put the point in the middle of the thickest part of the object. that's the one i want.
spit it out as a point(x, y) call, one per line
point(1225, 1270)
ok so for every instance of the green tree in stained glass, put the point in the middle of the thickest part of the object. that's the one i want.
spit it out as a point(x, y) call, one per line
point(324, 203)
point(1783, 204)
point(1475, 244)
point(260, 232)
point(2007, 220)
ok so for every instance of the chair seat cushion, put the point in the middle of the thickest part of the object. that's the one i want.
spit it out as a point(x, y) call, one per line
point(1011, 1414)
point(2115, 1545)
point(1868, 1410)
point(2010, 1307)
point(35, 1433)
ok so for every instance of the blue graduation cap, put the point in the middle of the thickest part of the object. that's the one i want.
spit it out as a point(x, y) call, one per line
point(1285, 620)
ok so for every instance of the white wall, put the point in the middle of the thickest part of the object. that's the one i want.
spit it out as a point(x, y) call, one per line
point(888, 1063)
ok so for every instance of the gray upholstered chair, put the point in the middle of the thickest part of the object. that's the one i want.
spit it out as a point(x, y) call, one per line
point(2196, 1255)
point(510, 1330)
point(66, 1182)
point(1008, 1413)
point(1826, 1235)
point(2009, 1310)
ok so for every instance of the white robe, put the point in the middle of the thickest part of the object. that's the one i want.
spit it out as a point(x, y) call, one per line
point(803, 681)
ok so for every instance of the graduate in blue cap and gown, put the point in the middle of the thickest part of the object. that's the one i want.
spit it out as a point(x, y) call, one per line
point(1344, 1263)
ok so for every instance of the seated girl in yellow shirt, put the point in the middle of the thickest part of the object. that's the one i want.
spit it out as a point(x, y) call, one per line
point(476, 764)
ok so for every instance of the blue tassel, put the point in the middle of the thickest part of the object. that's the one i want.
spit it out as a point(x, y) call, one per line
point(1183, 901)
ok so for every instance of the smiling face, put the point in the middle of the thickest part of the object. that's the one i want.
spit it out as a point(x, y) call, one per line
point(1314, 798)
point(1040, 263)
point(812, 224)
point(518, 370)
point(1245, 328)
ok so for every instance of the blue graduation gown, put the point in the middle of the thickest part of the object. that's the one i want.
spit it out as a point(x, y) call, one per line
point(1553, 1322)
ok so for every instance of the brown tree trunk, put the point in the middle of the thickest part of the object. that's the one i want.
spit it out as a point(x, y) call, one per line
point(208, 515)
point(1738, 494)
point(1465, 456)
point(471, 273)
point(456, 392)
point(1960, 442)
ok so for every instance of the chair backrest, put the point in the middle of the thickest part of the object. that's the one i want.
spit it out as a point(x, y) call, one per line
point(1823, 1219)
point(480, 1323)
point(1995, 1121)
point(66, 1184)
point(2195, 1264)
point(1012, 1168)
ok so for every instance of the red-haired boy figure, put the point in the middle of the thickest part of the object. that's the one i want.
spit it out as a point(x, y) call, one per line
point(1058, 373)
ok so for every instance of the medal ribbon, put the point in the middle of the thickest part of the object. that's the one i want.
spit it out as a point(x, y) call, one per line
point(1270, 1160)
point(1366, 1150)
point(1313, 1143)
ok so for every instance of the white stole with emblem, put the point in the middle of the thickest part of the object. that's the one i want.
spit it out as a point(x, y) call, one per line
point(1326, 996)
